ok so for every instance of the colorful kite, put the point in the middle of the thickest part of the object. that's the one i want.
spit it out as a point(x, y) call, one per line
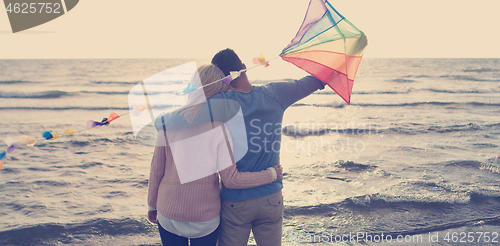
point(327, 46)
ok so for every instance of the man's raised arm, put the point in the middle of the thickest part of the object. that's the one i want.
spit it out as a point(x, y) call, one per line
point(287, 93)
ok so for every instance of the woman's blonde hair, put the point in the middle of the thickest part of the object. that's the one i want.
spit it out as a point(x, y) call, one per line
point(207, 74)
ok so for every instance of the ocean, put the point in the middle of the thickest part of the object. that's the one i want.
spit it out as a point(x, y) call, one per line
point(413, 160)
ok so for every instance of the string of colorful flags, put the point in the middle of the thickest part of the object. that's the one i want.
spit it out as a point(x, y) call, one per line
point(48, 135)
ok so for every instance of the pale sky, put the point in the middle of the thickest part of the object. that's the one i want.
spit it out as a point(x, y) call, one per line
point(199, 28)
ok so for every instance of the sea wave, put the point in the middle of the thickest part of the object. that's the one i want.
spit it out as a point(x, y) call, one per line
point(116, 82)
point(330, 105)
point(40, 95)
point(403, 91)
point(480, 70)
point(463, 91)
point(43, 234)
point(150, 93)
point(354, 167)
point(453, 77)
point(379, 201)
point(304, 131)
point(64, 108)
point(106, 92)
point(485, 167)
point(412, 90)
point(165, 106)
point(396, 215)
point(14, 82)
point(412, 104)
point(85, 143)
point(468, 78)
point(417, 76)
point(58, 94)
point(426, 103)
point(401, 80)
point(137, 82)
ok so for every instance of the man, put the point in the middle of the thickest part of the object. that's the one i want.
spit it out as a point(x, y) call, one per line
point(258, 209)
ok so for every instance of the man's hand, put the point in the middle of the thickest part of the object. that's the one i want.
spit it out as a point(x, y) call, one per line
point(152, 216)
point(279, 171)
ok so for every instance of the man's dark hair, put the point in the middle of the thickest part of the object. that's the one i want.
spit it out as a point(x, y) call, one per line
point(227, 61)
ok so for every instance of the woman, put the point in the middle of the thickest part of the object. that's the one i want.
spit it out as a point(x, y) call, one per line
point(183, 199)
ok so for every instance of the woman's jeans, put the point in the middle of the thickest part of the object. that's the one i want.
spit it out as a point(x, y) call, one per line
point(170, 239)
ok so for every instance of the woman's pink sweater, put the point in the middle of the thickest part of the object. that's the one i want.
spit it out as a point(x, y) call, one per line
point(198, 200)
